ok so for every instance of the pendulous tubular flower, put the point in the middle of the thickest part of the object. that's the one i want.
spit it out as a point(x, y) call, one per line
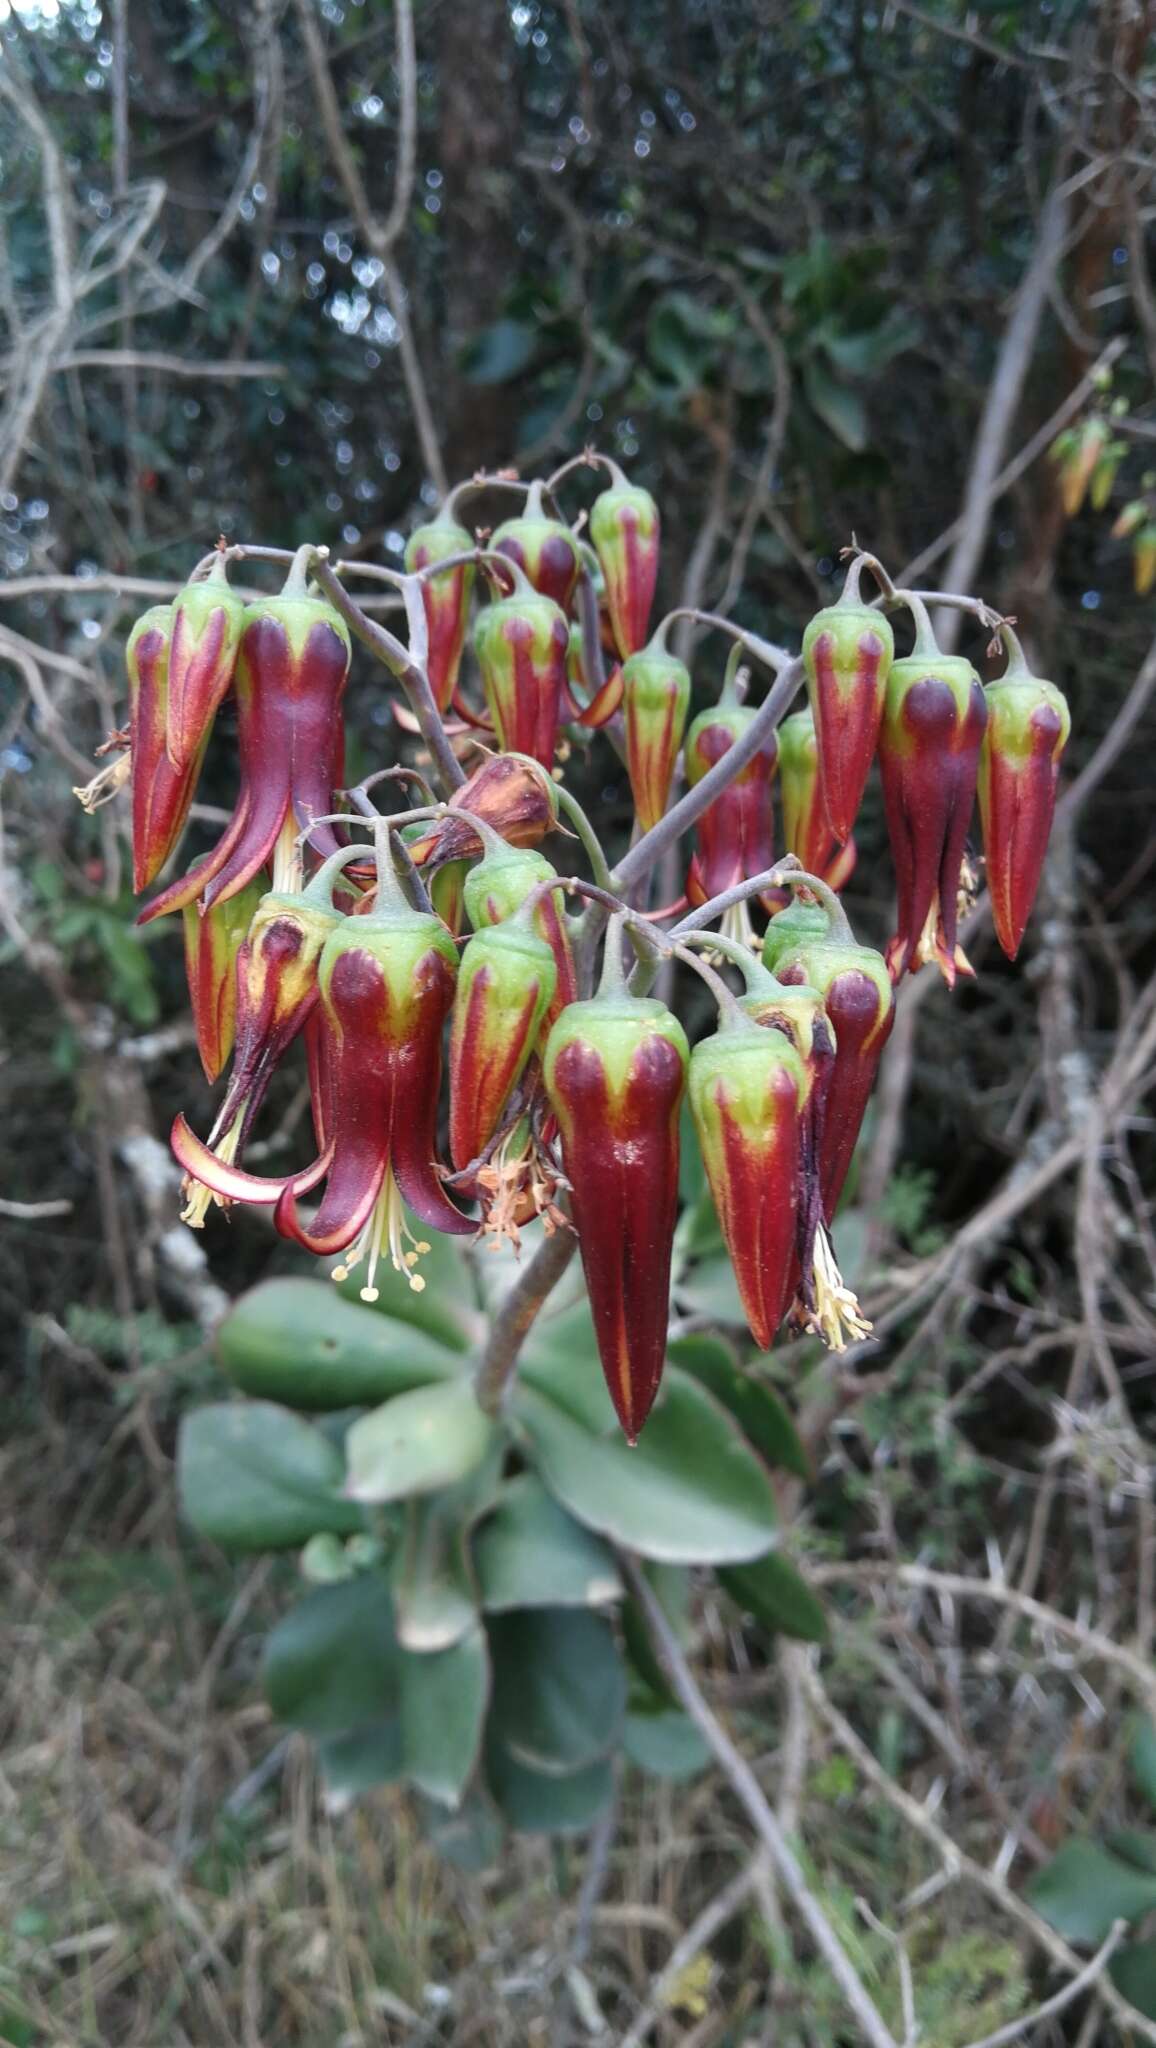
point(736, 831)
point(544, 550)
point(859, 1003)
point(161, 794)
point(446, 598)
point(1028, 724)
point(615, 1072)
point(385, 984)
point(929, 746)
point(847, 655)
point(505, 986)
point(291, 670)
point(521, 643)
point(274, 995)
point(655, 700)
point(625, 528)
point(747, 1092)
point(212, 945)
point(204, 637)
point(806, 829)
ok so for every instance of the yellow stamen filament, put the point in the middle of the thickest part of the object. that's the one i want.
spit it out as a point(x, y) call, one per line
point(836, 1317)
point(737, 925)
point(288, 859)
point(386, 1227)
point(198, 1198)
point(105, 784)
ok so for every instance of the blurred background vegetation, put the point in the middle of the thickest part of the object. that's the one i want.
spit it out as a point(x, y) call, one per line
point(807, 270)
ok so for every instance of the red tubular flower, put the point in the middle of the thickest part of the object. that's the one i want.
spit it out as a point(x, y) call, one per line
point(544, 549)
point(859, 1001)
point(506, 983)
point(206, 631)
point(291, 670)
point(275, 993)
point(1028, 723)
point(655, 699)
point(625, 529)
point(929, 747)
point(847, 653)
point(615, 1072)
point(495, 891)
point(161, 794)
point(747, 1090)
point(386, 984)
point(521, 643)
point(735, 832)
point(446, 598)
point(212, 944)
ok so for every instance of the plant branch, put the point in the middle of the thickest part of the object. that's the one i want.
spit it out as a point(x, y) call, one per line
point(517, 1314)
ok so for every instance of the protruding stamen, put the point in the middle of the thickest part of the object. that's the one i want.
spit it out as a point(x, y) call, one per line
point(836, 1317)
point(198, 1198)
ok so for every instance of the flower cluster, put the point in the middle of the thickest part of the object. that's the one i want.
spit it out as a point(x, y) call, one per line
point(565, 1098)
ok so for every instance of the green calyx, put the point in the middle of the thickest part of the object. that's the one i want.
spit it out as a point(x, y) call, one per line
point(298, 614)
point(398, 946)
point(654, 675)
point(514, 951)
point(433, 543)
point(498, 886)
point(822, 960)
point(317, 894)
point(742, 1061)
point(1015, 701)
point(534, 525)
point(733, 719)
point(800, 923)
point(621, 496)
point(212, 593)
point(844, 627)
point(527, 607)
point(614, 1026)
point(157, 619)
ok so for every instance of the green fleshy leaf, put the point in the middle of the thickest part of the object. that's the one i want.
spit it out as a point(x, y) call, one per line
point(418, 1442)
point(435, 1594)
point(664, 1741)
point(251, 1476)
point(778, 1596)
point(1142, 1758)
point(443, 1711)
point(691, 1492)
point(766, 1422)
point(536, 1804)
point(559, 1691)
point(1133, 1972)
point(361, 1758)
point(332, 1663)
point(709, 1288)
point(531, 1553)
point(1085, 1889)
point(472, 1836)
point(299, 1342)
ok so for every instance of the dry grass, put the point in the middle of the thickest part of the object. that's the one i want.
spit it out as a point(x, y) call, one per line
point(170, 1878)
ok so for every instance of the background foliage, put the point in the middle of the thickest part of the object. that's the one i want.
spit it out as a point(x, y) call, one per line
point(803, 269)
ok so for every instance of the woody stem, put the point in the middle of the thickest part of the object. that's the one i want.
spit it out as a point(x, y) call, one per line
point(516, 1316)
